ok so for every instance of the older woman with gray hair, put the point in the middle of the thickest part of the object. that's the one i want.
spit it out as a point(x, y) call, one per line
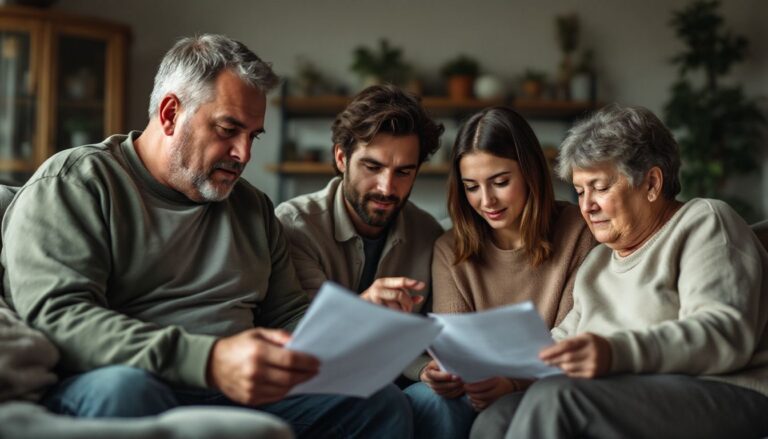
point(667, 336)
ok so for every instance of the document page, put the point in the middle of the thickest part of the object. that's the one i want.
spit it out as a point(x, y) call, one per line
point(361, 346)
point(502, 341)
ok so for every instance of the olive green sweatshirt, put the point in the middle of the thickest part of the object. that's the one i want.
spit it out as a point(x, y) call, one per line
point(116, 268)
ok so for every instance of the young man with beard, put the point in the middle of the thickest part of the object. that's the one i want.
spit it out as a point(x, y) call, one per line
point(360, 230)
point(161, 275)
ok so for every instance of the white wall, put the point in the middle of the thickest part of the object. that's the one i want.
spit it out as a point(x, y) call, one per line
point(632, 41)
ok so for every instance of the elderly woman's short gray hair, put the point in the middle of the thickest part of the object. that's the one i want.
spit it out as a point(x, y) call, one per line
point(632, 138)
point(192, 65)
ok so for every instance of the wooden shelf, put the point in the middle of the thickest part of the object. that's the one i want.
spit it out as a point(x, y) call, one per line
point(321, 168)
point(328, 106)
point(7, 165)
point(439, 106)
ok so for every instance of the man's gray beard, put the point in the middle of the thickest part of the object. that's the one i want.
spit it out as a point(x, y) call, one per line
point(180, 174)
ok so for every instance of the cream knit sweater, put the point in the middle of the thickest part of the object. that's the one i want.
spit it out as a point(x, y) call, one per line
point(692, 300)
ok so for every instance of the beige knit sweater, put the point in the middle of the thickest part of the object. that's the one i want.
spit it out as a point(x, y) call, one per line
point(692, 300)
point(506, 276)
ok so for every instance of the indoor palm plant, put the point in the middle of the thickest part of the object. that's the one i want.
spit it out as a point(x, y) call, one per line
point(718, 127)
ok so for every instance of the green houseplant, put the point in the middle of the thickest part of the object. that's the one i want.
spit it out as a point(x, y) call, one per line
point(383, 64)
point(717, 126)
point(460, 72)
point(568, 32)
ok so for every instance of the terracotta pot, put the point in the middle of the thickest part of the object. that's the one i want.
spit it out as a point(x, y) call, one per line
point(460, 87)
point(532, 89)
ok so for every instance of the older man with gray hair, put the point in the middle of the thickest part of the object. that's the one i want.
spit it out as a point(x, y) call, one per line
point(161, 275)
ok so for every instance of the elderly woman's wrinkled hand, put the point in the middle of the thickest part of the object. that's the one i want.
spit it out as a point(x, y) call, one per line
point(583, 356)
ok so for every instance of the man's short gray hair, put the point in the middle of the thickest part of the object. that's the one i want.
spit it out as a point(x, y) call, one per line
point(190, 68)
point(631, 138)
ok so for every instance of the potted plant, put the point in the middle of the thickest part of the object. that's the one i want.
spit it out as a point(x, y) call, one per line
point(532, 83)
point(583, 86)
point(460, 73)
point(567, 26)
point(309, 80)
point(385, 64)
point(718, 128)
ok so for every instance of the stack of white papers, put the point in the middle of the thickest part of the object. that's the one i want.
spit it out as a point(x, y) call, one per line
point(363, 347)
point(500, 342)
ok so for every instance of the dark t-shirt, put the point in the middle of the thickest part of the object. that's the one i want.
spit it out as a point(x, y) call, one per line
point(372, 248)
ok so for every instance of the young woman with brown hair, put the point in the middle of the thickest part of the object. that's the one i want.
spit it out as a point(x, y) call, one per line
point(510, 242)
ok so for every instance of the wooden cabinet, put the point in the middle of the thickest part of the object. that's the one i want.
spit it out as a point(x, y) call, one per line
point(290, 168)
point(62, 84)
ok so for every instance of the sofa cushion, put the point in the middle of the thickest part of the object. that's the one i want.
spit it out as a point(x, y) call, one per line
point(26, 355)
point(6, 196)
point(26, 358)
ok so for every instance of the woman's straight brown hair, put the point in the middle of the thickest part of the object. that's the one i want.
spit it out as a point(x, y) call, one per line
point(502, 132)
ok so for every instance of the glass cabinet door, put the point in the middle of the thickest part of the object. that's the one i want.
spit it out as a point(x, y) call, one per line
point(18, 100)
point(80, 90)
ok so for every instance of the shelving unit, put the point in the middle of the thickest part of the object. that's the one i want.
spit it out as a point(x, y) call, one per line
point(315, 107)
point(62, 82)
point(318, 168)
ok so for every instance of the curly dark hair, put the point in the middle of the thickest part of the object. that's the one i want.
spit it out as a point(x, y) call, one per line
point(385, 109)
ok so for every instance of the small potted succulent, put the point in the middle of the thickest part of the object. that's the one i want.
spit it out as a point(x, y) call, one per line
point(460, 73)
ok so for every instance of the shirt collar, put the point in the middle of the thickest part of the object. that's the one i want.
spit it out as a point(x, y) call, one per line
point(344, 230)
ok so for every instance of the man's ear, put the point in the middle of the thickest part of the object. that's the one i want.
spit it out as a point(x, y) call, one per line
point(169, 111)
point(654, 181)
point(340, 158)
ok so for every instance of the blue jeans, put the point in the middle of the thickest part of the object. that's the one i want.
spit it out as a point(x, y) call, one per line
point(121, 391)
point(438, 417)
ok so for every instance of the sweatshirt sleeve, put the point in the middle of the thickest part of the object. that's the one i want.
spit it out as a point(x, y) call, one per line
point(57, 270)
point(285, 302)
point(568, 325)
point(720, 291)
point(309, 270)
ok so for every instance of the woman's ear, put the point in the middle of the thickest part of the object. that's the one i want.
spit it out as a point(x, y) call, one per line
point(654, 183)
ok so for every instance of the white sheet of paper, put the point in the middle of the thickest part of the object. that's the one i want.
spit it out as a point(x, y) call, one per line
point(502, 341)
point(361, 346)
